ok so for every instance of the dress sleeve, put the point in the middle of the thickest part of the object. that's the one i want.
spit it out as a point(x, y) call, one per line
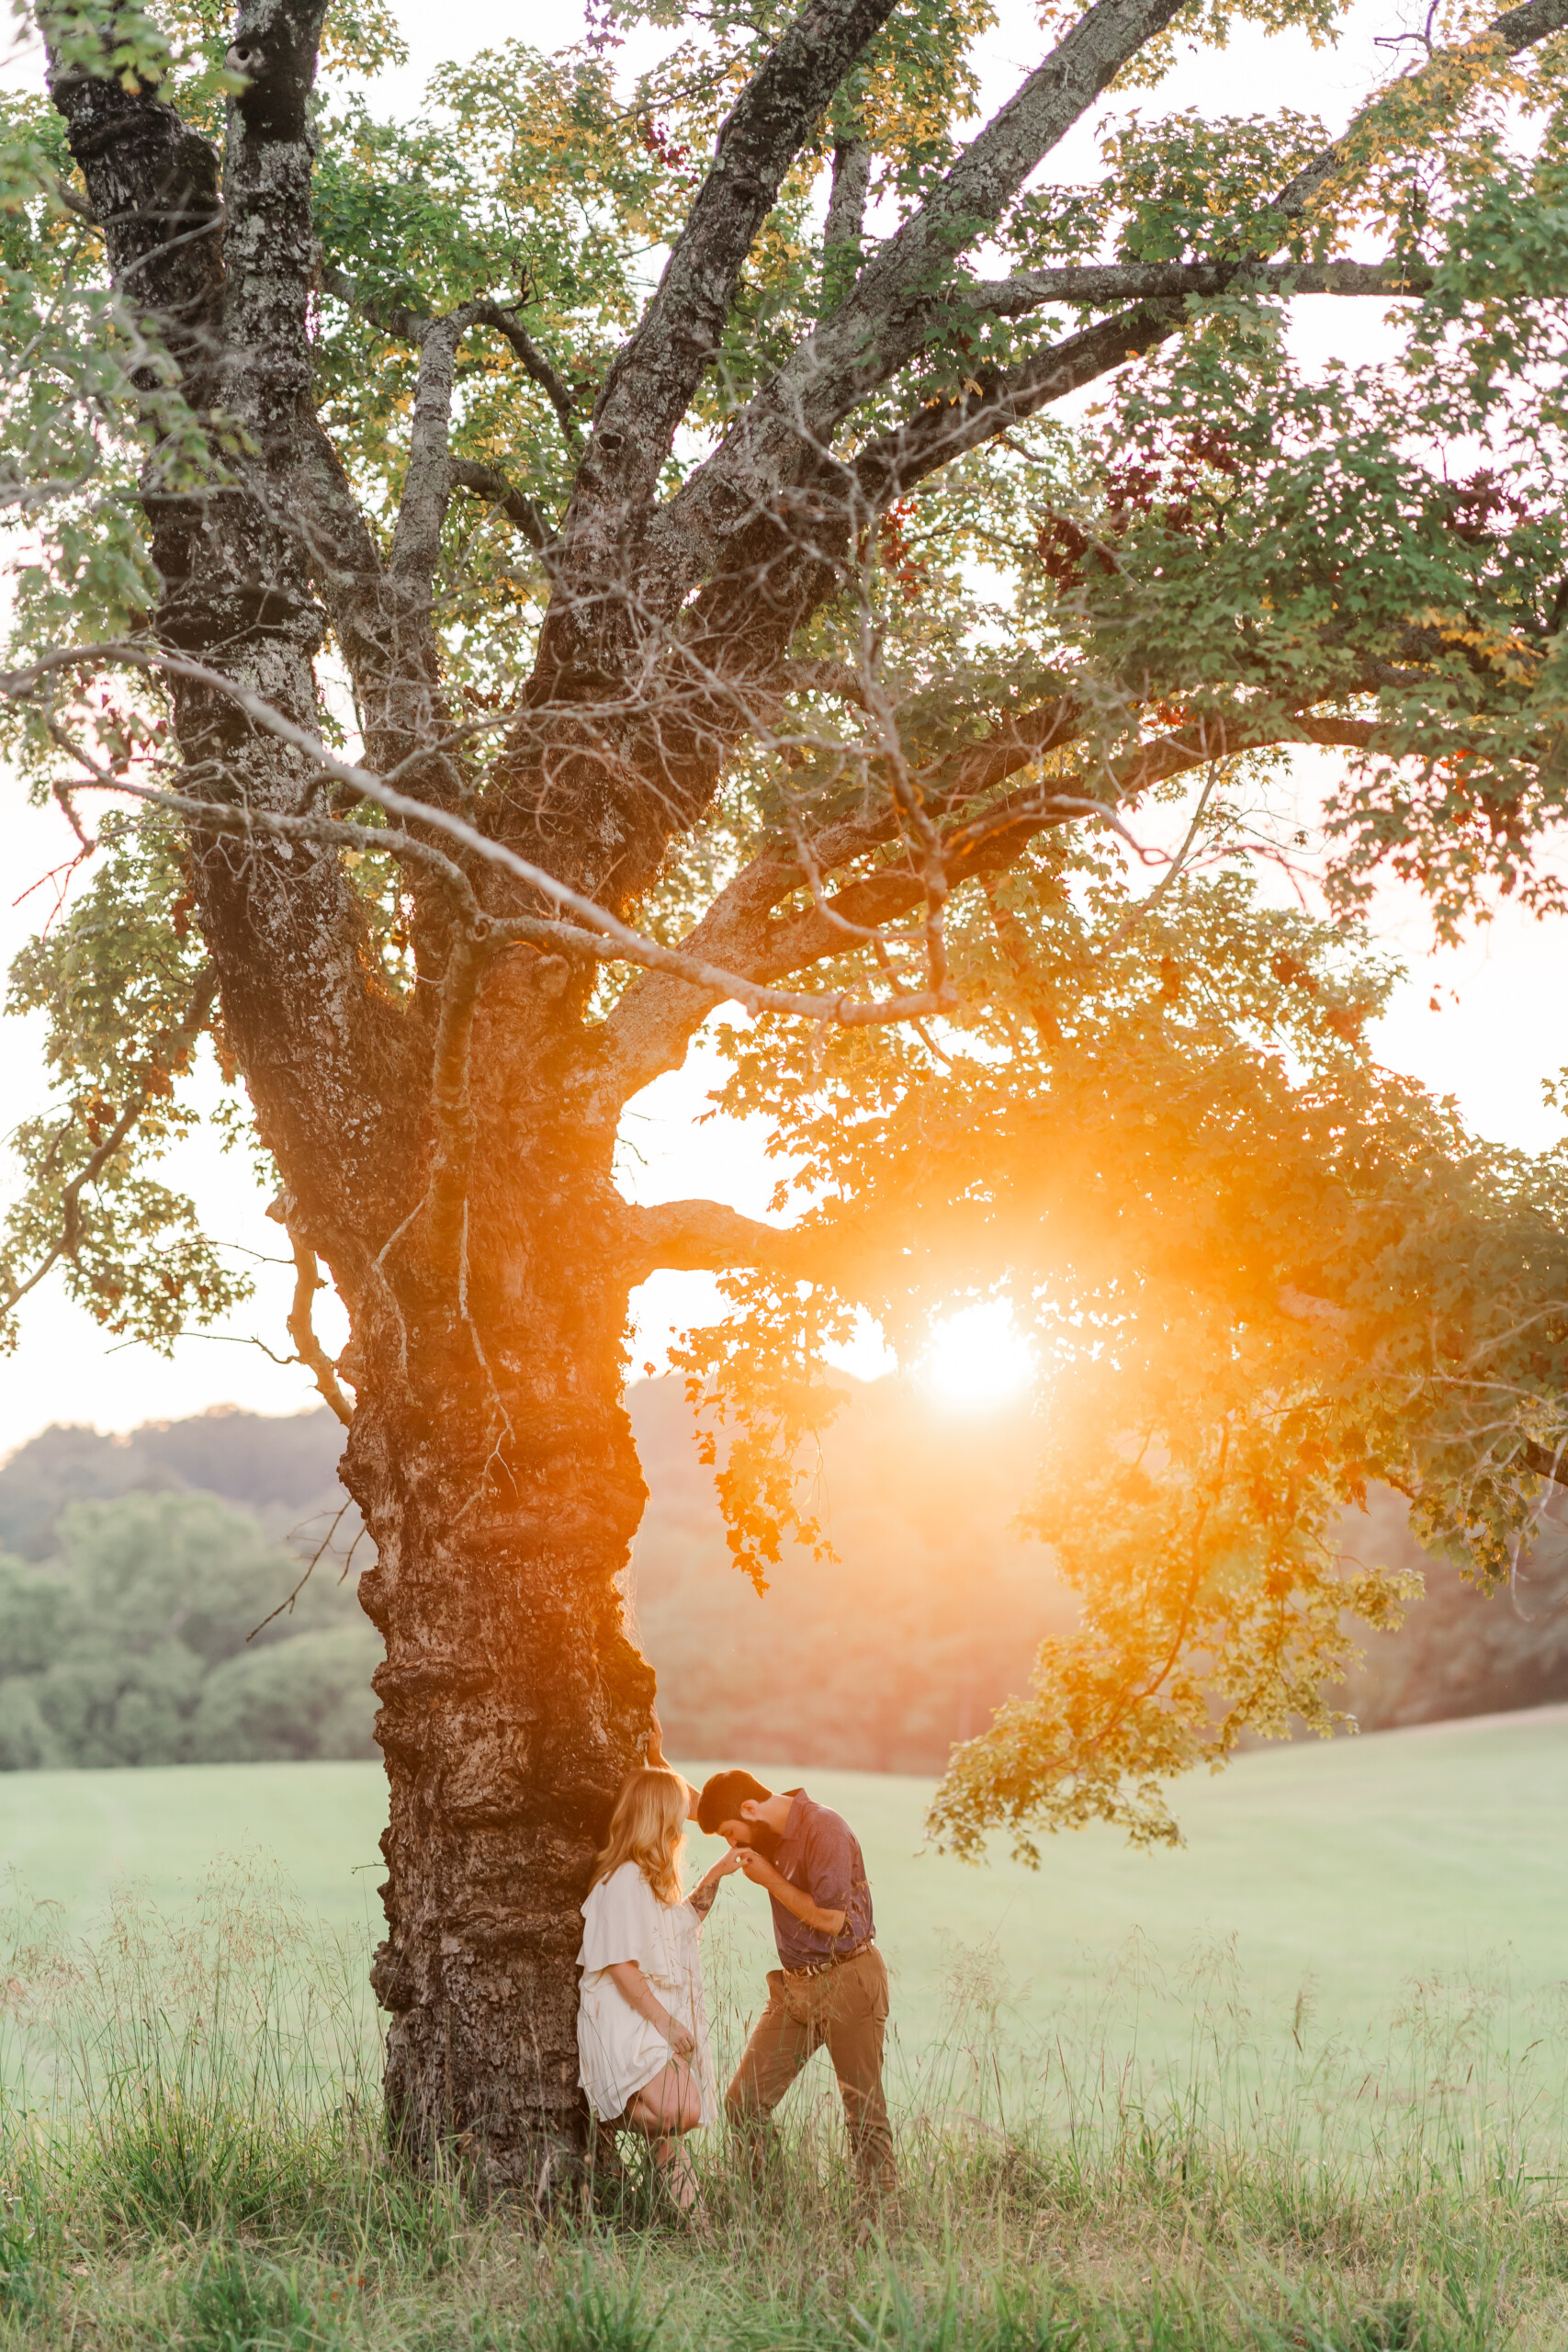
point(615, 1924)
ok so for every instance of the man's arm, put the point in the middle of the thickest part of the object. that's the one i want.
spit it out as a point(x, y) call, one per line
point(762, 1873)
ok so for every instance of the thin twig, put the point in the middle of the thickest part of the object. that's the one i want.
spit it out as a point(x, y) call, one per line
point(286, 1607)
point(1146, 905)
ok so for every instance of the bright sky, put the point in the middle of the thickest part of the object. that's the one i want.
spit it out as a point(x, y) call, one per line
point(1492, 1044)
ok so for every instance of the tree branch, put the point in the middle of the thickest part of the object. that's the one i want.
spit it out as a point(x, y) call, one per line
point(383, 626)
point(703, 1237)
point(652, 1027)
point(395, 321)
point(722, 501)
point(410, 326)
point(596, 932)
point(782, 433)
point(1544, 1461)
point(981, 847)
point(655, 1020)
point(814, 676)
point(650, 384)
point(484, 482)
point(1105, 283)
point(505, 321)
point(845, 223)
point(944, 430)
point(302, 1331)
point(427, 484)
point(346, 572)
point(1517, 28)
point(932, 438)
point(381, 617)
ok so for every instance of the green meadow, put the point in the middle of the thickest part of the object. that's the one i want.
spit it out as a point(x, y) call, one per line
point(1348, 1869)
point(1298, 2086)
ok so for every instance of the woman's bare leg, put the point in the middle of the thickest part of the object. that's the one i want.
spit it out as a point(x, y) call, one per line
point(672, 2103)
point(665, 2107)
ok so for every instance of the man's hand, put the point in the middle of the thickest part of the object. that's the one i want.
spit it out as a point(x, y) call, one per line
point(762, 1873)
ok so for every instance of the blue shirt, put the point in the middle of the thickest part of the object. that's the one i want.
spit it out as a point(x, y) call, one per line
point(820, 1854)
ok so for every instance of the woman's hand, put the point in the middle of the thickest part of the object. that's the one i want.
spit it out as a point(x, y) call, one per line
point(633, 1986)
point(702, 1895)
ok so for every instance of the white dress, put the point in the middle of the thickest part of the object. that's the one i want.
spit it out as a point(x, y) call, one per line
point(619, 2049)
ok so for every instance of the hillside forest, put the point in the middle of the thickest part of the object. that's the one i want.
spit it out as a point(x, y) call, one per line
point(136, 1573)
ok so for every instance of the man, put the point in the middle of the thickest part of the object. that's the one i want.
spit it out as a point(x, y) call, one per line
point(830, 1986)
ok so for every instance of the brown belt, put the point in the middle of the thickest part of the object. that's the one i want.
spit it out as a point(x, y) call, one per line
point(837, 1959)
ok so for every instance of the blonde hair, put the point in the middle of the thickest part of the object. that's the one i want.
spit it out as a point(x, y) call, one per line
point(648, 1827)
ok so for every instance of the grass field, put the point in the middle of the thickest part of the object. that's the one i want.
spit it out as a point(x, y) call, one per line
point(1359, 1865)
point(1299, 2087)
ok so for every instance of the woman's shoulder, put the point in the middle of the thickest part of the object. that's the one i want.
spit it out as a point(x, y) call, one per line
point(625, 1882)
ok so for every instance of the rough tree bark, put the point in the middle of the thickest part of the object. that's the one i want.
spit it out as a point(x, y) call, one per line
point(450, 1159)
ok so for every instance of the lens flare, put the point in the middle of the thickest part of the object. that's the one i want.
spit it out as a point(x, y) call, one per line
point(976, 1359)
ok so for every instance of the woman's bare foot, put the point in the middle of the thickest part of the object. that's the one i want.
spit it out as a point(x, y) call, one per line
point(676, 2170)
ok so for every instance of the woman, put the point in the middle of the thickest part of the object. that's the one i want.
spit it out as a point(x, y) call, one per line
point(642, 2035)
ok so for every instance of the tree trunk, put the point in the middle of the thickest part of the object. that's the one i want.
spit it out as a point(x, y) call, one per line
point(494, 1464)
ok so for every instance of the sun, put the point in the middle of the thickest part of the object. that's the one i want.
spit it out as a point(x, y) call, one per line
point(976, 1359)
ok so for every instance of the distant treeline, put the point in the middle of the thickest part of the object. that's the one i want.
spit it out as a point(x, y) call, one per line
point(1459, 1653)
point(933, 1609)
point(136, 1572)
point(125, 1618)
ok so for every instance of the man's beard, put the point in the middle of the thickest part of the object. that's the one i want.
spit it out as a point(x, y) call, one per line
point(765, 1840)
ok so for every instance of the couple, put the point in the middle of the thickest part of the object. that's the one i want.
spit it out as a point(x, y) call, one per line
point(641, 2022)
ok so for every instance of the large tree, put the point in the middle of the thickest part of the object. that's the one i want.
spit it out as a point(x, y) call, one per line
point(603, 550)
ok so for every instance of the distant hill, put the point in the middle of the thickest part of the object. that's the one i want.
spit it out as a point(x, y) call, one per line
point(282, 1468)
point(879, 1659)
point(876, 1660)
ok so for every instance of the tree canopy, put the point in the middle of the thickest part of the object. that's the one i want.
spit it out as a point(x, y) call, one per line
point(606, 548)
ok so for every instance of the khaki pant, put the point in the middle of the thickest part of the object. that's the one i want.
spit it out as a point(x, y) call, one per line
point(845, 2009)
